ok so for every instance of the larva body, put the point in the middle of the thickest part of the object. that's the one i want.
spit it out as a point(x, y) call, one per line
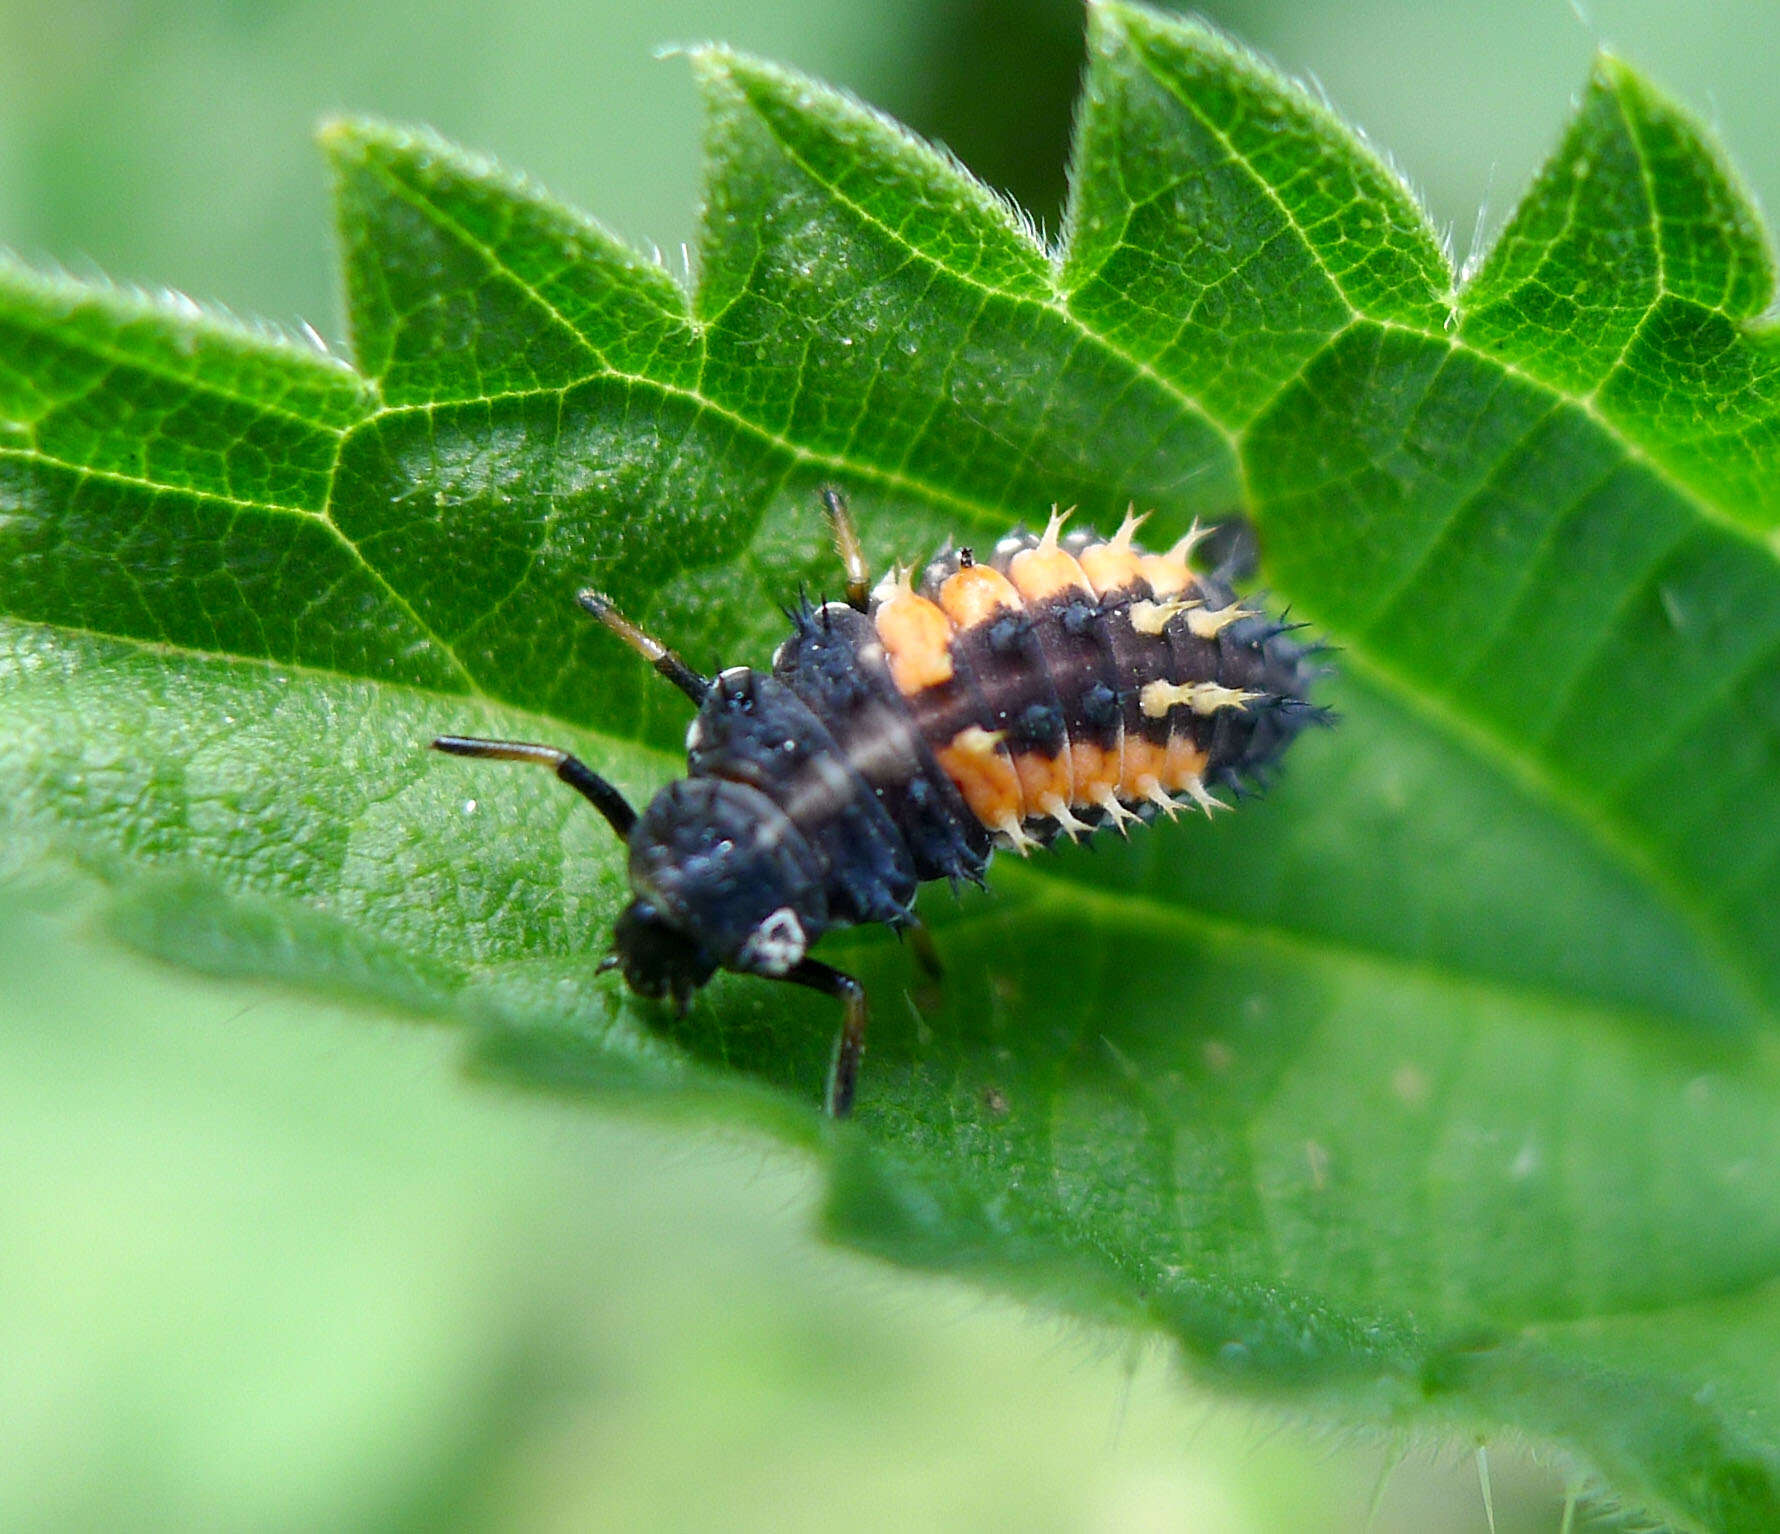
point(1063, 684)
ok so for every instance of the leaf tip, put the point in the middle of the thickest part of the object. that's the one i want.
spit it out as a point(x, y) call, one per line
point(1657, 124)
point(341, 137)
point(1611, 75)
point(1112, 21)
point(714, 63)
point(727, 75)
point(1106, 19)
point(1610, 70)
point(348, 139)
point(723, 71)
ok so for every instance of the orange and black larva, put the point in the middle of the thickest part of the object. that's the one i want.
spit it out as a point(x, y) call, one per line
point(1066, 682)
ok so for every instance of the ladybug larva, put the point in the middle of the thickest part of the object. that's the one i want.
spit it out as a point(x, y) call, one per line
point(1066, 683)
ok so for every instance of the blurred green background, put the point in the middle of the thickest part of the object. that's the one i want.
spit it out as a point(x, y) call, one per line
point(273, 1262)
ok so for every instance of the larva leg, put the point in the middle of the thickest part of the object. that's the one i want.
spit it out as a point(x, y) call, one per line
point(930, 986)
point(849, 1044)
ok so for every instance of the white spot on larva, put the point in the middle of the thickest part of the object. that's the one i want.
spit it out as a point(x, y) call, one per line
point(894, 583)
point(976, 741)
point(469, 806)
point(1157, 795)
point(776, 946)
point(1012, 835)
point(1194, 788)
point(1117, 816)
point(1209, 622)
point(1202, 697)
point(1073, 827)
point(1152, 618)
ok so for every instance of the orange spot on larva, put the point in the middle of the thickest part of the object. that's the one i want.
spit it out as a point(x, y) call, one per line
point(916, 636)
point(985, 777)
point(1092, 769)
point(1110, 568)
point(1142, 768)
point(1167, 577)
point(976, 593)
point(1182, 761)
point(1043, 777)
point(1044, 572)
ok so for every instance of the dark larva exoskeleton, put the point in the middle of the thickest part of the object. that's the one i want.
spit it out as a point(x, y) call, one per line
point(1062, 684)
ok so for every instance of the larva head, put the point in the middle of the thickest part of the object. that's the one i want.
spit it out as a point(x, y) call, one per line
point(657, 959)
point(721, 880)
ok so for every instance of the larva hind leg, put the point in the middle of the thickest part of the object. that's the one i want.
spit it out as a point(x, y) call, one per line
point(849, 1044)
point(930, 983)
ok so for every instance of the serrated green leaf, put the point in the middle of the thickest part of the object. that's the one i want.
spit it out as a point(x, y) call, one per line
point(1438, 1088)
